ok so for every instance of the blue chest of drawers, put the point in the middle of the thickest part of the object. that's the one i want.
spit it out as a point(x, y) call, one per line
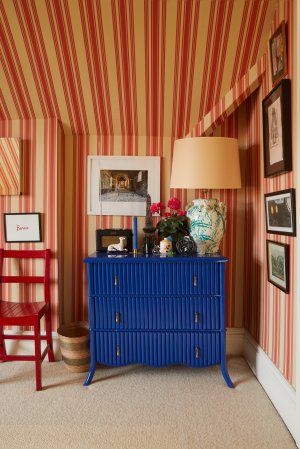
point(157, 311)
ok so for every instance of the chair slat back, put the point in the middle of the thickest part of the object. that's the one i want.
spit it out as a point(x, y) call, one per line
point(27, 279)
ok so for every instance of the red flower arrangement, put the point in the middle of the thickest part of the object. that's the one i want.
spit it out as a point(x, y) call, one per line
point(174, 223)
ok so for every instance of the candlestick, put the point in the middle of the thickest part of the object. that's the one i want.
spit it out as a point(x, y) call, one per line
point(134, 220)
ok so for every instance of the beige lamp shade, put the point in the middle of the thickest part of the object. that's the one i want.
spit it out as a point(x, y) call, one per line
point(206, 163)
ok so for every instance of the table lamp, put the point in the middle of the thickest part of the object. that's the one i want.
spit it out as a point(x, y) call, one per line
point(206, 163)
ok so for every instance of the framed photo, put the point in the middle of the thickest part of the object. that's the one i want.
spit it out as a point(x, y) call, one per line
point(280, 208)
point(278, 54)
point(118, 185)
point(277, 130)
point(19, 228)
point(278, 265)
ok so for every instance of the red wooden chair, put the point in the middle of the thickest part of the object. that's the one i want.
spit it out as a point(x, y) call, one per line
point(27, 313)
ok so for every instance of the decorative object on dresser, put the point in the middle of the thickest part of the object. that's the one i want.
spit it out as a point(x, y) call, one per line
point(22, 227)
point(186, 246)
point(135, 234)
point(149, 229)
point(277, 130)
point(106, 237)
point(280, 208)
point(157, 311)
point(118, 185)
point(11, 163)
point(174, 224)
point(206, 163)
point(278, 54)
point(278, 264)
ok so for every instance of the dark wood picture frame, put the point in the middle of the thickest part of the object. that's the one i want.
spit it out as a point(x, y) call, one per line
point(278, 54)
point(22, 227)
point(277, 130)
point(278, 265)
point(280, 209)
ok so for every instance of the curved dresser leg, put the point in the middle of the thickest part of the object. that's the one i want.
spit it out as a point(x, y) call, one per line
point(89, 376)
point(226, 375)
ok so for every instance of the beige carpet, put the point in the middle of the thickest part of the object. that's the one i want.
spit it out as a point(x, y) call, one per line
point(137, 408)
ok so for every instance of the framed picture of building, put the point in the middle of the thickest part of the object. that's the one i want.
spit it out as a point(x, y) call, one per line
point(278, 265)
point(118, 185)
point(277, 131)
point(280, 208)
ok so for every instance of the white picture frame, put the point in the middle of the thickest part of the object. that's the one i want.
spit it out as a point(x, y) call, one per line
point(118, 185)
point(22, 227)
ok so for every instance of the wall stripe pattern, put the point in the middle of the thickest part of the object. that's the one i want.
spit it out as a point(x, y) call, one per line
point(91, 64)
point(231, 101)
point(39, 139)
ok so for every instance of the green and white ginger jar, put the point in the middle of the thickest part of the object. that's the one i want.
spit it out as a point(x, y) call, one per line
point(208, 223)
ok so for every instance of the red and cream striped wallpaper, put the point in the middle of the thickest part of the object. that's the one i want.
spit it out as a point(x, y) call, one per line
point(129, 77)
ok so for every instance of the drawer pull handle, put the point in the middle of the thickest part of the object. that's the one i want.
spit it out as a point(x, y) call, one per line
point(116, 280)
point(197, 317)
point(118, 317)
point(197, 352)
point(195, 281)
point(118, 351)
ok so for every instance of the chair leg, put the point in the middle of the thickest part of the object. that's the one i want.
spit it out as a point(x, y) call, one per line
point(49, 335)
point(2, 343)
point(37, 354)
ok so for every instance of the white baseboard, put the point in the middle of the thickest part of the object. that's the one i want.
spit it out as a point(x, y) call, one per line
point(280, 392)
point(23, 347)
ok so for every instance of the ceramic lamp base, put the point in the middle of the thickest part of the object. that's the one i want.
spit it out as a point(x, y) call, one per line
point(208, 223)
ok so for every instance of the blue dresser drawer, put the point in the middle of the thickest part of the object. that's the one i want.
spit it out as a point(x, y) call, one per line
point(158, 348)
point(152, 278)
point(157, 313)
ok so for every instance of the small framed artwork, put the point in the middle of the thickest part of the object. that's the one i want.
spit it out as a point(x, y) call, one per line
point(11, 163)
point(22, 227)
point(280, 208)
point(278, 54)
point(277, 130)
point(278, 265)
point(119, 185)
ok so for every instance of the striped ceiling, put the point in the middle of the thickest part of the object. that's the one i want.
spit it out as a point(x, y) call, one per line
point(126, 67)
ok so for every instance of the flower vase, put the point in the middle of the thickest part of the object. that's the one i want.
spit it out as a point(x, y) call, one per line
point(208, 223)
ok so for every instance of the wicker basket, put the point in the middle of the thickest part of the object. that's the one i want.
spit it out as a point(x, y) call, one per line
point(74, 342)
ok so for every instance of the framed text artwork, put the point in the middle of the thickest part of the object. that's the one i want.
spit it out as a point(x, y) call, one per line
point(280, 210)
point(22, 227)
point(118, 185)
point(277, 130)
point(278, 265)
point(278, 54)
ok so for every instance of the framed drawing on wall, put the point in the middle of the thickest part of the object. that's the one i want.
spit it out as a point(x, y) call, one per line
point(118, 185)
point(277, 130)
point(278, 54)
point(278, 265)
point(22, 227)
point(280, 208)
